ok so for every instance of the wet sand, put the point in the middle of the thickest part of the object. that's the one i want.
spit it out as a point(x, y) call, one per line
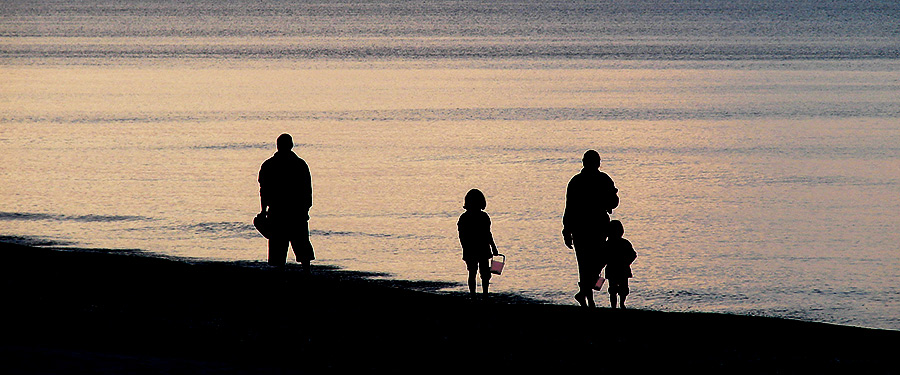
point(104, 311)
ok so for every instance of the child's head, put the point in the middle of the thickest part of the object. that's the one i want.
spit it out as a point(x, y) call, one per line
point(616, 230)
point(475, 200)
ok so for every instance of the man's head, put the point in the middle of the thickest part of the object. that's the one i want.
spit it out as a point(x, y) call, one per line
point(284, 142)
point(591, 159)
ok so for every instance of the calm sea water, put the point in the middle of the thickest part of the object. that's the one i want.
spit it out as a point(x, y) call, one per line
point(756, 144)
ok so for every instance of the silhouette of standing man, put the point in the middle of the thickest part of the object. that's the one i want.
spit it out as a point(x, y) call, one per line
point(590, 198)
point(285, 195)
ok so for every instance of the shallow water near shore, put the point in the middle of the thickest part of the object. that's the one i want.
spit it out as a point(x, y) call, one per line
point(749, 185)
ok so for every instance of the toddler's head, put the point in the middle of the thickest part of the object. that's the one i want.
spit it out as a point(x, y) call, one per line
point(475, 200)
point(616, 230)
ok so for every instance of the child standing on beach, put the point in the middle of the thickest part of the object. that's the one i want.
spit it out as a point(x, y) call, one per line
point(476, 239)
point(620, 254)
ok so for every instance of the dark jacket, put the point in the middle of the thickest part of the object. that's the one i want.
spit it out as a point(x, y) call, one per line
point(587, 200)
point(619, 254)
point(285, 183)
point(475, 235)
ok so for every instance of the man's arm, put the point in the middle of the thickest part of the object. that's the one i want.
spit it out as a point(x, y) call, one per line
point(306, 182)
point(568, 216)
point(611, 192)
point(263, 192)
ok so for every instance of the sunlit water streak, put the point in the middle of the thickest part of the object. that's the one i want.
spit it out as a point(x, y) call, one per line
point(758, 161)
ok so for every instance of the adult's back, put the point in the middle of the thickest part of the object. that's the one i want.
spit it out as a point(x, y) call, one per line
point(285, 182)
point(590, 197)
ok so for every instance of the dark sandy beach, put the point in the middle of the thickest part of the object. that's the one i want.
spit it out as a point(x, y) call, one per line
point(103, 311)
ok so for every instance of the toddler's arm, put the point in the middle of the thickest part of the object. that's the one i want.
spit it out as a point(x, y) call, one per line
point(493, 246)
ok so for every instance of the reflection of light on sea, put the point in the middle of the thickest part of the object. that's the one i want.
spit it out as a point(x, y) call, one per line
point(724, 168)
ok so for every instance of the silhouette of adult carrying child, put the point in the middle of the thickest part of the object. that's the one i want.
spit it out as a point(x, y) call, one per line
point(590, 198)
point(285, 195)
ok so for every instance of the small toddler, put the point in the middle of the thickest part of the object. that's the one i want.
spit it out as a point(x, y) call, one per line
point(620, 254)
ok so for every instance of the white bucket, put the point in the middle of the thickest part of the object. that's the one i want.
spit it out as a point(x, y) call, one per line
point(497, 265)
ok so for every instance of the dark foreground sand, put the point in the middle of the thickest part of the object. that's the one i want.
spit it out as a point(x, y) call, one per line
point(99, 311)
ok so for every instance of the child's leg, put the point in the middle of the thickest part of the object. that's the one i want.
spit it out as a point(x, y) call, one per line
point(623, 292)
point(613, 290)
point(485, 270)
point(472, 267)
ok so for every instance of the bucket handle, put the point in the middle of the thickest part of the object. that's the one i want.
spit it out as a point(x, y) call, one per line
point(501, 255)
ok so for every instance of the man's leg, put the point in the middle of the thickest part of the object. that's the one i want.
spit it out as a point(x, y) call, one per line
point(302, 246)
point(587, 255)
point(584, 284)
point(303, 252)
point(278, 251)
